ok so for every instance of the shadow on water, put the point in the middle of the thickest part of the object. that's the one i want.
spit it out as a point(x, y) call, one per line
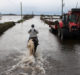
point(69, 44)
point(64, 58)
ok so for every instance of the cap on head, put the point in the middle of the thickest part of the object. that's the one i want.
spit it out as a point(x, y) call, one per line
point(32, 25)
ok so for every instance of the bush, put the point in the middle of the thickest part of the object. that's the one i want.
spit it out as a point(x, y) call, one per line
point(26, 17)
point(20, 21)
point(42, 15)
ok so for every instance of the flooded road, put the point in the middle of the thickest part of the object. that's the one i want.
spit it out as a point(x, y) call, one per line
point(53, 57)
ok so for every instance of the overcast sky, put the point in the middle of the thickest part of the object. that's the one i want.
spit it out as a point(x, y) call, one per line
point(37, 6)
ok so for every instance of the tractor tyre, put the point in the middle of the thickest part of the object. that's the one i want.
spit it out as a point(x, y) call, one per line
point(59, 33)
point(63, 34)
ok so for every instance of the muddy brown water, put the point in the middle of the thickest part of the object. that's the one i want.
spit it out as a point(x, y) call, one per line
point(53, 57)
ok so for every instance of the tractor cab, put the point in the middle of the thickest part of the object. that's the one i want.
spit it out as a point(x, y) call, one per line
point(71, 20)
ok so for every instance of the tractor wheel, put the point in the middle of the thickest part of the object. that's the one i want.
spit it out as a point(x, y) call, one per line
point(50, 30)
point(63, 34)
point(59, 33)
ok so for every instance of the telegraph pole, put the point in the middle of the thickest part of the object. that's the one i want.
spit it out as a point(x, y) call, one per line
point(62, 7)
point(21, 10)
point(32, 13)
point(0, 16)
point(77, 5)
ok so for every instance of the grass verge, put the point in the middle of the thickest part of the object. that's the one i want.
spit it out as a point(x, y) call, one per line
point(5, 26)
point(25, 17)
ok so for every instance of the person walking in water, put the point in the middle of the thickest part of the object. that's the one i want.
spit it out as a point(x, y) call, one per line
point(33, 35)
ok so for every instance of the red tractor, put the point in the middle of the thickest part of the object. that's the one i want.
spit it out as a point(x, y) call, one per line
point(69, 25)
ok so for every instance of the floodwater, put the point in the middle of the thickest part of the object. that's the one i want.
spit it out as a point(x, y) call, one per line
point(53, 57)
point(9, 18)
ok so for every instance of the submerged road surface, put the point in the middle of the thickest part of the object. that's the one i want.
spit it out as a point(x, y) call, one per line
point(53, 57)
